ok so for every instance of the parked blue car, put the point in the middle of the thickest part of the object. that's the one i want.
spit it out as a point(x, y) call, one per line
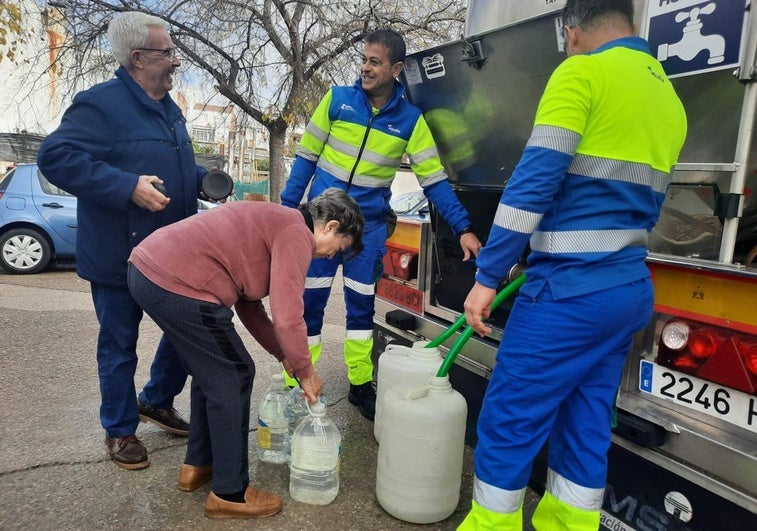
point(37, 221)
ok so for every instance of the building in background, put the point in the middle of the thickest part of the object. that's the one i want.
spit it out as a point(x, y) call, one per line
point(33, 93)
point(37, 86)
point(225, 130)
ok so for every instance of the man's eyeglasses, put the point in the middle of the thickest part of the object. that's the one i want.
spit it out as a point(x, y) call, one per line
point(166, 52)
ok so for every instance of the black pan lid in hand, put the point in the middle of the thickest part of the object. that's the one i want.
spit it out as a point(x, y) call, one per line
point(217, 184)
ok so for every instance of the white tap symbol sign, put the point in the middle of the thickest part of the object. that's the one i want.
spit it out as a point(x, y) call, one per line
point(692, 42)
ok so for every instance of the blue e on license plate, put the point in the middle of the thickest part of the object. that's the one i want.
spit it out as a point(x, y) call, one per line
point(700, 395)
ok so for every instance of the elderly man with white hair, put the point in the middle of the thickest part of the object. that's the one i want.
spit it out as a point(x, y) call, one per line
point(115, 141)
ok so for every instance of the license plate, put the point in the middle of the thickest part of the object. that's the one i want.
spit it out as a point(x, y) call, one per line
point(700, 395)
point(401, 294)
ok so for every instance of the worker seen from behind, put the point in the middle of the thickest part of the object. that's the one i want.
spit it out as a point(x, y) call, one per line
point(586, 193)
point(355, 141)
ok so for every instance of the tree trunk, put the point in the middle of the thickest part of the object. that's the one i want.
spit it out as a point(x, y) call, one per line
point(276, 143)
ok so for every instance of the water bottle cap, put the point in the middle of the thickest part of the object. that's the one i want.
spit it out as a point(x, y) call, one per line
point(277, 378)
point(317, 409)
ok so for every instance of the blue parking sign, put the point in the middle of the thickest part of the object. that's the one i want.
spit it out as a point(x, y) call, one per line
point(694, 36)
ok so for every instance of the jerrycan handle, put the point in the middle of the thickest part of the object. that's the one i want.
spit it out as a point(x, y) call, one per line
point(416, 393)
point(393, 346)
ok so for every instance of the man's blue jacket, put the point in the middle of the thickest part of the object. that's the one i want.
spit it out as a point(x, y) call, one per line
point(110, 135)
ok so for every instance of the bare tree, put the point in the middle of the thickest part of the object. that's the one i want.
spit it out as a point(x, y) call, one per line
point(11, 30)
point(273, 59)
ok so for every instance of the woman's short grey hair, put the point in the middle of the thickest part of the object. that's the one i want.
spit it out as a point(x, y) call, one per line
point(131, 30)
point(335, 204)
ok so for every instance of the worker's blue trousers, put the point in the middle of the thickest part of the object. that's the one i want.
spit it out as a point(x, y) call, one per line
point(557, 373)
point(360, 275)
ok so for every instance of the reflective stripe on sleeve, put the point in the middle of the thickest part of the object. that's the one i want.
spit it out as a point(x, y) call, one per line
point(317, 132)
point(516, 219)
point(424, 155)
point(587, 241)
point(314, 340)
point(359, 287)
point(434, 178)
point(555, 138)
point(306, 154)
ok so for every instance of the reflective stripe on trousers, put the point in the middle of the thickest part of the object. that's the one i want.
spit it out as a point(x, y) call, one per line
point(553, 512)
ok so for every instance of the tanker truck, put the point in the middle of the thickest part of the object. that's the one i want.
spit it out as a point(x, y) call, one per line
point(684, 452)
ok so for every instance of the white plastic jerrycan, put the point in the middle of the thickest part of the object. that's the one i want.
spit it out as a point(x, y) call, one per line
point(403, 367)
point(420, 457)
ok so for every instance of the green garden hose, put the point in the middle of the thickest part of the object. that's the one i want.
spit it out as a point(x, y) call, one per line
point(468, 332)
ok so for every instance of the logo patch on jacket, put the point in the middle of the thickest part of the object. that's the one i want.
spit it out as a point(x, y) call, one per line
point(393, 129)
point(346, 107)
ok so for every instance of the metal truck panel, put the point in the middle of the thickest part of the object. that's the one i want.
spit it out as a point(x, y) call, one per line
point(488, 15)
point(685, 422)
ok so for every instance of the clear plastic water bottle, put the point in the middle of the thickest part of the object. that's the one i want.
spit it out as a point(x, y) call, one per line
point(272, 425)
point(295, 410)
point(314, 470)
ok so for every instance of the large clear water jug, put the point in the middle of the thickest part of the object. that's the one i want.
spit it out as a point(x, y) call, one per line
point(314, 470)
point(272, 425)
point(420, 457)
point(403, 367)
point(295, 410)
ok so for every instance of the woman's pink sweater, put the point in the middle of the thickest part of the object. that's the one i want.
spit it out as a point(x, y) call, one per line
point(237, 254)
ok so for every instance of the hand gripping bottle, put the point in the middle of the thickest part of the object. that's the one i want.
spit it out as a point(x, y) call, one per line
point(272, 425)
point(314, 470)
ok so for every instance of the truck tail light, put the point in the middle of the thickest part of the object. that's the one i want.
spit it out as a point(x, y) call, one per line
point(704, 342)
point(715, 354)
point(675, 335)
point(749, 351)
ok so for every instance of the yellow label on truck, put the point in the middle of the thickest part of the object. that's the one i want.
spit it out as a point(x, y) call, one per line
point(712, 297)
point(406, 236)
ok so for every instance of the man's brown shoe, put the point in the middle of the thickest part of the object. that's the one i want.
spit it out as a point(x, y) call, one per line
point(127, 452)
point(165, 419)
point(193, 477)
point(257, 503)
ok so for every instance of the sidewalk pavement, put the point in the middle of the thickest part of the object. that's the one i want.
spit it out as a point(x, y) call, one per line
point(54, 471)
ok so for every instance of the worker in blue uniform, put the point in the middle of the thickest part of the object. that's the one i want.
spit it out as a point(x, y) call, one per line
point(355, 141)
point(587, 191)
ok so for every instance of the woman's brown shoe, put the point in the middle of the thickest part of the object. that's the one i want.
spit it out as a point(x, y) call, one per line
point(257, 503)
point(193, 477)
